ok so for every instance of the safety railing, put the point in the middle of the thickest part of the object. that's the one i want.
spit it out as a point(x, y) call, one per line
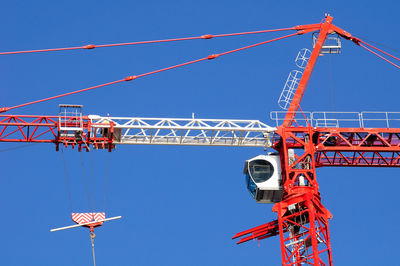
point(341, 119)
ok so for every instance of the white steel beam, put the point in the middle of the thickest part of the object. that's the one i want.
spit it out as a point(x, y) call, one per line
point(83, 224)
point(180, 131)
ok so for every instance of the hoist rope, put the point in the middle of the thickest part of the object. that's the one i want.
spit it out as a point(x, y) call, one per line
point(105, 180)
point(92, 236)
point(92, 46)
point(86, 182)
point(130, 78)
point(66, 179)
point(92, 175)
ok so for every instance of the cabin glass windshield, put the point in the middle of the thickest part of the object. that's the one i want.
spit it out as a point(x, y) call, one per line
point(260, 170)
point(251, 186)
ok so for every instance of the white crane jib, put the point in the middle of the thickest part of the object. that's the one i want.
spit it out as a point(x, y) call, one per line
point(181, 131)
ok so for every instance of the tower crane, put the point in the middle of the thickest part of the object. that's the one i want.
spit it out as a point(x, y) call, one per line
point(286, 178)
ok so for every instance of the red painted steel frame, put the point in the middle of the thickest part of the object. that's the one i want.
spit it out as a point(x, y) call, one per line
point(302, 219)
point(28, 128)
point(306, 240)
point(46, 129)
point(325, 29)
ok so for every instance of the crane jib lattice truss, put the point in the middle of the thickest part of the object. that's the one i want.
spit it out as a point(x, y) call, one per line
point(106, 132)
point(302, 223)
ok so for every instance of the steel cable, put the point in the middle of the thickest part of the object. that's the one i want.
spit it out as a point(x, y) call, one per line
point(92, 46)
point(105, 180)
point(378, 55)
point(380, 50)
point(133, 77)
point(92, 236)
point(66, 179)
point(93, 186)
point(86, 183)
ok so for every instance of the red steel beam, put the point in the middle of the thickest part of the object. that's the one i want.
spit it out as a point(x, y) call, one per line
point(46, 129)
point(357, 159)
point(291, 113)
point(28, 128)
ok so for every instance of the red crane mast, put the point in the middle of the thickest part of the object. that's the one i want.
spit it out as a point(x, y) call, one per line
point(302, 223)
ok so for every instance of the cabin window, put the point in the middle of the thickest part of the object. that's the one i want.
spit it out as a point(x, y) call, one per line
point(251, 186)
point(260, 170)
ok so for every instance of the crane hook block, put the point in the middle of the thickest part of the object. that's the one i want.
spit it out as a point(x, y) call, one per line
point(88, 217)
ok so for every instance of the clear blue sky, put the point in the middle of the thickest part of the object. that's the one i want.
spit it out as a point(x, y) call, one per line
point(182, 205)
